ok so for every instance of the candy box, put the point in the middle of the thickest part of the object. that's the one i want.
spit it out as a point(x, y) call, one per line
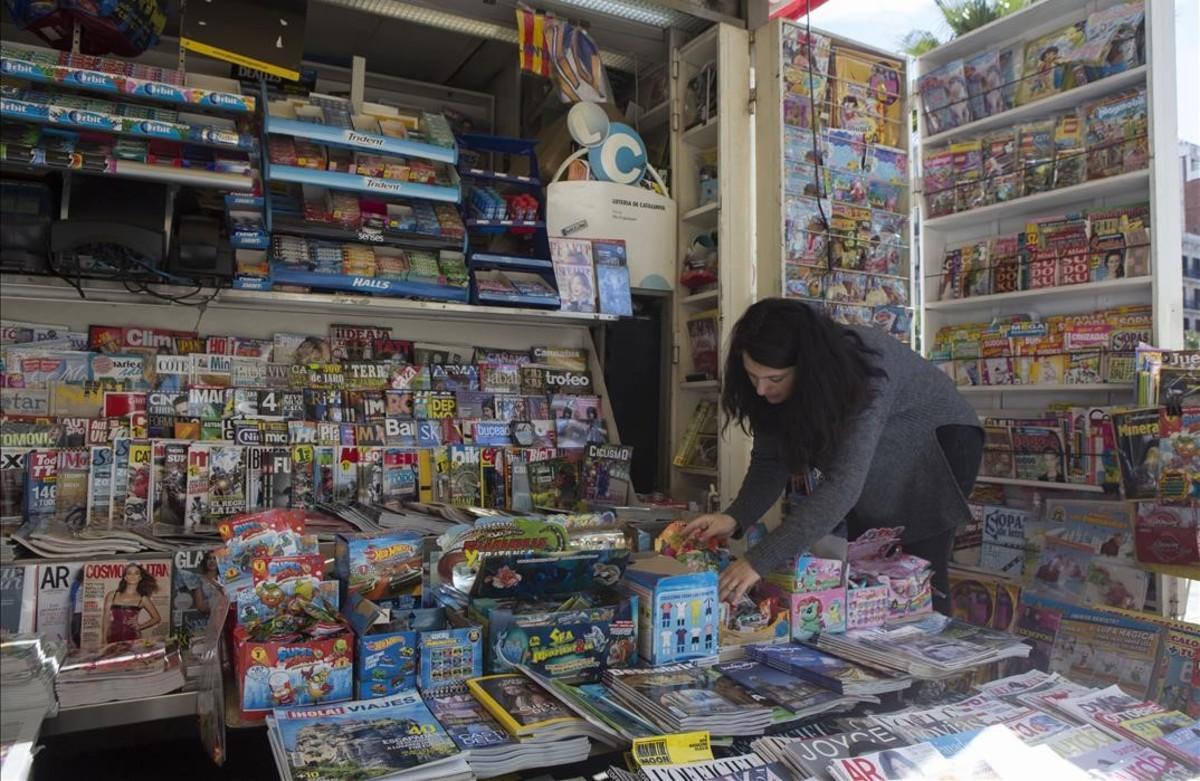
point(381, 567)
point(678, 609)
point(577, 639)
point(280, 674)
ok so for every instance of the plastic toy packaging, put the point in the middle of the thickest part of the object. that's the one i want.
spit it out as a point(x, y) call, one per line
point(700, 263)
point(696, 555)
point(875, 560)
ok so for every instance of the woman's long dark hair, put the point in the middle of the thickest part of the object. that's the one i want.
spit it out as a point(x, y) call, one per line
point(832, 379)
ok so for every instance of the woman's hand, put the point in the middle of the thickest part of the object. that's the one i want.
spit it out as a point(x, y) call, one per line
point(711, 525)
point(738, 578)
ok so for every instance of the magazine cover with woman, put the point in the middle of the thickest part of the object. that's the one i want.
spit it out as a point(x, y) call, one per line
point(125, 599)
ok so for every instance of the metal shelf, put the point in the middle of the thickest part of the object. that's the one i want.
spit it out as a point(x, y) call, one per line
point(1058, 293)
point(333, 232)
point(282, 274)
point(500, 176)
point(121, 713)
point(1097, 188)
point(336, 180)
point(1047, 105)
point(1099, 387)
point(55, 291)
point(116, 84)
point(132, 127)
point(497, 260)
point(363, 142)
point(1047, 486)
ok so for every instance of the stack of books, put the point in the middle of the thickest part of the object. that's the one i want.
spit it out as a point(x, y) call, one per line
point(933, 647)
point(837, 675)
point(492, 750)
point(393, 739)
point(686, 698)
point(126, 670)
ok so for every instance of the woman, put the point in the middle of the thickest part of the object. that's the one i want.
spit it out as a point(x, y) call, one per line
point(123, 606)
point(207, 586)
point(893, 442)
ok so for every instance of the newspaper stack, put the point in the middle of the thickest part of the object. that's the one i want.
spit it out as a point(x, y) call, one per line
point(933, 647)
point(835, 674)
point(27, 668)
point(799, 697)
point(492, 750)
point(747, 766)
point(810, 758)
point(390, 739)
point(85, 544)
point(685, 698)
point(126, 670)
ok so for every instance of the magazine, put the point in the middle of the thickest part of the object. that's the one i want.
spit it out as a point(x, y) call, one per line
point(612, 277)
point(786, 691)
point(832, 673)
point(573, 268)
point(374, 737)
point(125, 600)
point(895, 764)
point(811, 757)
point(521, 706)
point(702, 329)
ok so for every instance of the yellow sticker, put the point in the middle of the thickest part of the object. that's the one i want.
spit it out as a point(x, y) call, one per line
point(218, 53)
point(675, 749)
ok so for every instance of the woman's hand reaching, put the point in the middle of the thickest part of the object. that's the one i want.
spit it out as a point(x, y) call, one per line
point(706, 527)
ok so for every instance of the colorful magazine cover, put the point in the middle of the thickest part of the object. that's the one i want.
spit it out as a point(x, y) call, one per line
point(367, 738)
point(574, 269)
point(125, 600)
point(519, 704)
point(612, 276)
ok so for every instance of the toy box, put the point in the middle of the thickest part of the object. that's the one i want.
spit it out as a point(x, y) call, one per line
point(875, 561)
point(279, 674)
point(398, 650)
point(866, 605)
point(678, 610)
point(815, 588)
point(578, 639)
point(536, 576)
point(761, 618)
point(384, 568)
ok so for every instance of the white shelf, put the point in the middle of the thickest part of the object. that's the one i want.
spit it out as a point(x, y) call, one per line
point(707, 298)
point(119, 714)
point(1098, 387)
point(654, 118)
point(704, 216)
point(1098, 188)
point(703, 136)
point(1091, 489)
point(55, 291)
point(1060, 294)
point(698, 471)
point(1047, 105)
point(701, 385)
point(1022, 24)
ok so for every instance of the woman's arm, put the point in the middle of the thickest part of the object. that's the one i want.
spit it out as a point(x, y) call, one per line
point(104, 621)
point(837, 493)
point(155, 618)
point(764, 482)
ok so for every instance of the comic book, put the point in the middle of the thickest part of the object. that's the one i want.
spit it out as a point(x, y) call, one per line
point(1039, 454)
point(1069, 158)
point(1035, 150)
point(1116, 134)
point(1098, 649)
point(1046, 64)
point(944, 97)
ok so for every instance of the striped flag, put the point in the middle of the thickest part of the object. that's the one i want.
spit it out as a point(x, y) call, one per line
point(531, 41)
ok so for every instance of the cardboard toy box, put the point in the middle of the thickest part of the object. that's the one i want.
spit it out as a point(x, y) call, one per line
point(384, 568)
point(679, 611)
point(400, 649)
point(875, 561)
point(560, 643)
point(282, 674)
point(770, 624)
point(1167, 534)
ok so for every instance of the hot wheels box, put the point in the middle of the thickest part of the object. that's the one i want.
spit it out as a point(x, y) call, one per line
point(401, 649)
point(383, 568)
point(678, 610)
point(281, 674)
point(560, 641)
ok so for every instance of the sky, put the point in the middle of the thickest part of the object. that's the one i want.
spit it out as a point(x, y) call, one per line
point(882, 23)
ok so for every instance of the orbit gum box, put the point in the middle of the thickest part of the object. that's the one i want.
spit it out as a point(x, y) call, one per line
point(384, 568)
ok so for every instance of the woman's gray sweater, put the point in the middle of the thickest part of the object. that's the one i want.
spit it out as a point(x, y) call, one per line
point(889, 469)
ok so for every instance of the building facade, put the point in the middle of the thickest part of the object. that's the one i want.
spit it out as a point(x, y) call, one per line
point(1189, 160)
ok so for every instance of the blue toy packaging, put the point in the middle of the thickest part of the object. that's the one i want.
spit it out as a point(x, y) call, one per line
point(383, 568)
point(679, 610)
point(398, 650)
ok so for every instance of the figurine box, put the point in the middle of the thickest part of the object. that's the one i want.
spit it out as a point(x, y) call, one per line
point(678, 610)
point(278, 674)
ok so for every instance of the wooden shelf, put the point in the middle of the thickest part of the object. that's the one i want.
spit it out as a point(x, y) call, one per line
point(1048, 105)
point(1045, 486)
point(1122, 184)
point(1059, 294)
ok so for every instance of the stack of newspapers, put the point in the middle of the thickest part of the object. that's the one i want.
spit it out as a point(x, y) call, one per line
point(126, 670)
point(393, 739)
point(685, 698)
point(933, 647)
point(28, 665)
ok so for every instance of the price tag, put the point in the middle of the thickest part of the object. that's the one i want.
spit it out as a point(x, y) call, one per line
point(382, 185)
point(675, 749)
